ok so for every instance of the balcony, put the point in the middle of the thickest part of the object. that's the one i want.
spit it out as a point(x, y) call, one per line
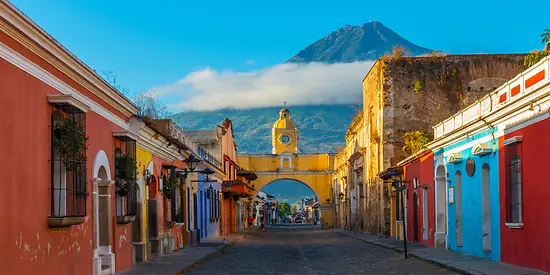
point(238, 188)
point(205, 155)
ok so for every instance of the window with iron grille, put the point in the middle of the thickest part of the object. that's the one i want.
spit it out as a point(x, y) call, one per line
point(125, 177)
point(513, 183)
point(68, 162)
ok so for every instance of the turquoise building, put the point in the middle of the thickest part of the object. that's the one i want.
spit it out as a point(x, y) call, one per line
point(472, 200)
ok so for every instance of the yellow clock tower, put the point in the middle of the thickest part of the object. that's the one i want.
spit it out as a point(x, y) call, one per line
point(284, 134)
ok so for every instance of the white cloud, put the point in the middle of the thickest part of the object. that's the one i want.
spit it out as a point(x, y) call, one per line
point(297, 84)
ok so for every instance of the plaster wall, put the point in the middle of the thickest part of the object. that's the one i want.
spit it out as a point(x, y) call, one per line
point(528, 246)
point(472, 201)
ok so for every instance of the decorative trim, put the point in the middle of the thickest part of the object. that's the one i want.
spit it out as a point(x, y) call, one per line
point(68, 99)
point(482, 149)
point(126, 134)
point(101, 159)
point(64, 222)
point(514, 225)
point(125, 219)
point(455, 158)
point(25, 31)
point(512, 140)
point(38, 72)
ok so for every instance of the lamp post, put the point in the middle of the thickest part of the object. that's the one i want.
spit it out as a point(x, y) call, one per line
point(400, 186)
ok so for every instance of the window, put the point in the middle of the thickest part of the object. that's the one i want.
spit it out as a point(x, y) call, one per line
point(125, 177)
point(68, 162)
point(513, 183)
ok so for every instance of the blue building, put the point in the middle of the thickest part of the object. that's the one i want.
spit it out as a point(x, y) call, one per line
point(208, 206)
point(467, 197)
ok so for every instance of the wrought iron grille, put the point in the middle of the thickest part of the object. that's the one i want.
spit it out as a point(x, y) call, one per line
point(513, 183)
point(127, 189)
point(68, 162)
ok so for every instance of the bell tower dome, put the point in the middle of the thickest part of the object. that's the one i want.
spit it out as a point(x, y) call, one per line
point(284, 134)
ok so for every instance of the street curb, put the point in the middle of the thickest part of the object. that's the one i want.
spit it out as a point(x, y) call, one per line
point(411, 255)
point(211, 254)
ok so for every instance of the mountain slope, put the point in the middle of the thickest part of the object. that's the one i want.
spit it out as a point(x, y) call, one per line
point(356, 43)
point(321, 128)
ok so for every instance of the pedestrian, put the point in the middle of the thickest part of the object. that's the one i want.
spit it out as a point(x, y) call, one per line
point(250, 222)
point(262, 226)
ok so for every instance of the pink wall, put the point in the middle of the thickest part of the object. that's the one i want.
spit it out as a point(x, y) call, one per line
point(422, 169)
point(529, 246)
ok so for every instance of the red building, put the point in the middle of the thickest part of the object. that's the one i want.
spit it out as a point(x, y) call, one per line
point(419, 177)
point(524, 193)
point(60, 123)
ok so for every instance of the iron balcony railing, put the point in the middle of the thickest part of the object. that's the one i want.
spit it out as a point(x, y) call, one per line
point(204, 154)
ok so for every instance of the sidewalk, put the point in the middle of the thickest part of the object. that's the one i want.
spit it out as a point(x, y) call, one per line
point(459, 262)
point(183, 259)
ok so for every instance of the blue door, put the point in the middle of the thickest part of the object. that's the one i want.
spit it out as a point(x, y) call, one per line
point(196, 217)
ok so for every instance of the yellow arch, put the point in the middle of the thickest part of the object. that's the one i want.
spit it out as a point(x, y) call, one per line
point(313, 170)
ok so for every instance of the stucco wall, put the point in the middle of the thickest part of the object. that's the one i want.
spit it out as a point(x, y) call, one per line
point(472, 200)
point(528, 246)
point(421, 169)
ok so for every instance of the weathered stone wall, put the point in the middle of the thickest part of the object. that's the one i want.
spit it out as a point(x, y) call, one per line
point(448, 84)
point(409, 94)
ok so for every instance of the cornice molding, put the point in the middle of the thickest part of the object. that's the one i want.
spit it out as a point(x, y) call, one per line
point(22, 29)
point(38, 72)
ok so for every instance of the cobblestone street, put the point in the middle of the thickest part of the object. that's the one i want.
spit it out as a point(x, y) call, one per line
point(305, 250)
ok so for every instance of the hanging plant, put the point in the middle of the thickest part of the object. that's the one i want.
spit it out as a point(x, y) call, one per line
point(70, 141)
point(125, 169)
point(168, 187)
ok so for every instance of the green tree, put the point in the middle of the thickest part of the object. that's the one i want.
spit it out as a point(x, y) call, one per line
point(149, 106)
point(294, 208)
point(414, 141)
point(545, 36)
point(284, 209)
point(535, 56)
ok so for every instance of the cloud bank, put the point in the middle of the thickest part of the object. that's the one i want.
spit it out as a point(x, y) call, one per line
point(297, 84)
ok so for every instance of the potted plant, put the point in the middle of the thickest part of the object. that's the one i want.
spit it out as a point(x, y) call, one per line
point(168, 187)
point(125, 168)
point(70, 140)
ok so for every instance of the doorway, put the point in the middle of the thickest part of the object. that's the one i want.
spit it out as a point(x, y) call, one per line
point(486, 207)
point(458, 208)
point(415, 216)
point(103, 257)
point(441, 207)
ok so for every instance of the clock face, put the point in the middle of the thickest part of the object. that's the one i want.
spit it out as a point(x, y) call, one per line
point(285, 139)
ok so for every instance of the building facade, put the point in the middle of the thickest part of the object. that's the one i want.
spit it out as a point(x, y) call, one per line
point(287, 163)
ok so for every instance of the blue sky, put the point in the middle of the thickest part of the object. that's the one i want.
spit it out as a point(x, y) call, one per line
point(289, 190)
point(151, 45)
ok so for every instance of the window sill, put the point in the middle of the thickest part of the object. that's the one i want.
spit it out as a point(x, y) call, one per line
point(179, 224)
point(514, 225)
point(125, 219)
point(55, 222)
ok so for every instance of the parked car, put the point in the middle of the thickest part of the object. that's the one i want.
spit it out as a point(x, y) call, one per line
point(298, 219)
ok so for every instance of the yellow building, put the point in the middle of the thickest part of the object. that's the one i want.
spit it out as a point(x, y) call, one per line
point(287, 163)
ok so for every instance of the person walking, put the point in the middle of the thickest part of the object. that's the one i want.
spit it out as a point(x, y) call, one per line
point(250, 222)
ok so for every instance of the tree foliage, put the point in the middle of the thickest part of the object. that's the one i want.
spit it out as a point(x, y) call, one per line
point(284, 209)
point(535, 56)
point(149, 106)
point(414, 141)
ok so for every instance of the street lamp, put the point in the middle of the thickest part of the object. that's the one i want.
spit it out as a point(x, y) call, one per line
point(399, 185)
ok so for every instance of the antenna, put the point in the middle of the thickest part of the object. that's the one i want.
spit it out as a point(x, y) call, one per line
point(285, 104)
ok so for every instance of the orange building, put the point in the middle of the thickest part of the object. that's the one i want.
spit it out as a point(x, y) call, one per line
point(62, 124)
